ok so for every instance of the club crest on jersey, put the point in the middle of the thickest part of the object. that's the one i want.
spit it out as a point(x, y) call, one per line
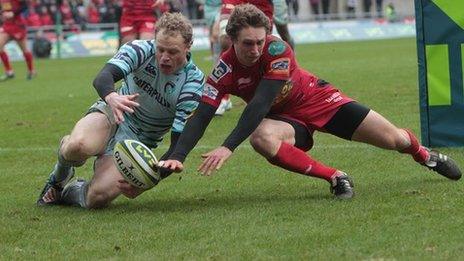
point(280, 66)
point(276, 48)
point(169, 87)
point(210, 92)
point(150, 69)
point(219, 71)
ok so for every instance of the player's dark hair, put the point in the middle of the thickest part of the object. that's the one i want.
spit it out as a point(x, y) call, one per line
point(173, 23)
point(246, 15)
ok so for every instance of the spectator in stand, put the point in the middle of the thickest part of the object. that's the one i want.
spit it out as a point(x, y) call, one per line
point(79, 14)
point(294, 6)
point(33, 18)
point(93, 16)
point(315, 8)
point(45, 16)
point(378, 8)
point(111, 15)
point(351, 9)
point(367, 8)
point(53, 9)
point(191, 9)
point(174, 5)
point(325, 9)
point(14, 28)
point(66, 13)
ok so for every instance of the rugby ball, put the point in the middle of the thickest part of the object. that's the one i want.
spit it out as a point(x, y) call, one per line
point(136, 163)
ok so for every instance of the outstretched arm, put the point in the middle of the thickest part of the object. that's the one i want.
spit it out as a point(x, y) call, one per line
point(251, 117)
point(164, 173)
point(193, 131)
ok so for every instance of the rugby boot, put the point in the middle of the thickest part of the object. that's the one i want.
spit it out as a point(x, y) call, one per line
point(31, 75)
point(51, 193)
point(7, 76)
point(224, 106)
point(443, 165)
point(342, 186)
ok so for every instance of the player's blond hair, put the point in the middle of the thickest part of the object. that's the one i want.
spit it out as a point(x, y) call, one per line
point(246, 15)
point(173, 23)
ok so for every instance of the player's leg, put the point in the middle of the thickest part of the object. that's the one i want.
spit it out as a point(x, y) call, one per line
point(212, 15)
point(146, 30)
point(225, 43)
point(4, 38)
point(28, 57)
point(88, 138)
point(284, 142)
point(100, 191)
point(127, 30)
point(214, 39)
point(281, 21)
point(378, 131)
point(284, 33)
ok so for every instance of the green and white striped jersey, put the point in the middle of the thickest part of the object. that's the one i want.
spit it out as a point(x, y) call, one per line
point(166, 101)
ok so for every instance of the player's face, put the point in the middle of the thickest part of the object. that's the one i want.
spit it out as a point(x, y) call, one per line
point(249, 44)
point(171, 52)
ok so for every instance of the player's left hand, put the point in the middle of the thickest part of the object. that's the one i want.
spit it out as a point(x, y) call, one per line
point(214, 160)
point(128, 190)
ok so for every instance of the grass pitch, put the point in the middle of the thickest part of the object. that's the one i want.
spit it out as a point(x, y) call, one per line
point(249, 209)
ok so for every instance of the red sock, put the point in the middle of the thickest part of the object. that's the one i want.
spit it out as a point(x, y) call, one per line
point(419, 153)
point(293, 159)
point(6, 61)
point(29, 61)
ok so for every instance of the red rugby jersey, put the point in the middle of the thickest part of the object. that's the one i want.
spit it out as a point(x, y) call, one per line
point(138, 8)
point(276, 63)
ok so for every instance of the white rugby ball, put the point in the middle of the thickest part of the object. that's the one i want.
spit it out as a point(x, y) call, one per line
point(136, 163)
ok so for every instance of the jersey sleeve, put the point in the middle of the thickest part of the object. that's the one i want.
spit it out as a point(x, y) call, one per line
point(278, 61)
point(188, 99)
point(132, 55)
point(216, 84)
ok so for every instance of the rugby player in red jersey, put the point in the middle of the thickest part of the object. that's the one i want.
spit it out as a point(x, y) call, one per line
point(227, 7)
point(137, 20)
point(14, 28)
point(285, 103)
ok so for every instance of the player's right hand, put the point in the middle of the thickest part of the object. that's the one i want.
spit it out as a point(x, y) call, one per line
point(173, 165)
point(120, 104)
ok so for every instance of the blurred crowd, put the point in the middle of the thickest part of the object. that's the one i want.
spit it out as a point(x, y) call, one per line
point(82, 12)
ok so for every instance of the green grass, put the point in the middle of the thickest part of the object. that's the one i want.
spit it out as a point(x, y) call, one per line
point(249, 209)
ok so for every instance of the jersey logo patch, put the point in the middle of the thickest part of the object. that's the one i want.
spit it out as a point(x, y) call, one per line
point(210, 92)
point(219, 71)
point(169, 87)
point(280, 66)
point(276, 48)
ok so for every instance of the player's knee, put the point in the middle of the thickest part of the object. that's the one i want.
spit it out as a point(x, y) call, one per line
point(76, 145)
point(262, 141)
